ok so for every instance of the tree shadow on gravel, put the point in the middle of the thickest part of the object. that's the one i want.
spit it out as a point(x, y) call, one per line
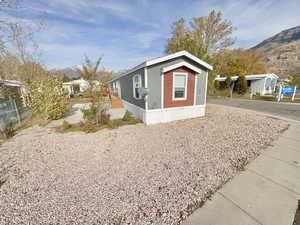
point(297, 215)
point(3, 177)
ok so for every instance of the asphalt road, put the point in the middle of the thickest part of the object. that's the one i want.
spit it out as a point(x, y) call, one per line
point(287, 110)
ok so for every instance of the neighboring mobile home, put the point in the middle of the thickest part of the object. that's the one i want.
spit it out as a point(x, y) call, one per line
point(11, 87)
point(263, 84)
point(164, 89)
point(75, 87)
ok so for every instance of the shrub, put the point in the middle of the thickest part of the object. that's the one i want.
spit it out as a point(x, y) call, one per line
point(90, 114)
point(222, 85)
point(241, 85)
point(130, 119)
point(128, 116)
point(115, 124)
point(46, 97)
point(8, 130)
point(65, 125)
point(217, 84)
point(104, 118)
point(88, 127)
point(228, 82)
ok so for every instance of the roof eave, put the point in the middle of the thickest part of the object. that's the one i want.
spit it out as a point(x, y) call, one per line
point(163, 59)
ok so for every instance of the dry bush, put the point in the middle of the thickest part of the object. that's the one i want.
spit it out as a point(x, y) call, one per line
point(8, 130)
point(46, 98)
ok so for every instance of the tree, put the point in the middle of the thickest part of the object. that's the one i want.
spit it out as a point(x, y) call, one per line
point(65, 78)
point(89, 69)
point(241, 85)
point(19, 52)
point(294, 80)
point(98, 88)
point(217, 85)
point(204, 37)
point(212, 32)
point(228, 82)
point(89, 73)
point(241, 62)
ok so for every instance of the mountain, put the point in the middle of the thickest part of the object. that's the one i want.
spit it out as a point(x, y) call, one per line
point(282, 52)
point(73, 72)
point(70, 72)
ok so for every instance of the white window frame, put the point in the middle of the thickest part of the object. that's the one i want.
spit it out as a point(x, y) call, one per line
point(133, 84)
point(185, 88)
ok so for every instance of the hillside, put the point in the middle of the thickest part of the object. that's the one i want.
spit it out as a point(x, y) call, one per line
point(282, 52)
point(70, 72)
point(73, 72)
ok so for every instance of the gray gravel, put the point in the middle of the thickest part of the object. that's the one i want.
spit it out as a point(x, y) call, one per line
point(132, 175)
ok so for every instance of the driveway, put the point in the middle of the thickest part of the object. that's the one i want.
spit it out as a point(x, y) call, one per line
point(137, 174)
point(286, 110)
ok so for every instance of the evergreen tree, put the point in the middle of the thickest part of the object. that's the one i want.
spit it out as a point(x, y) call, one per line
point(228, 82)
point(241, 85)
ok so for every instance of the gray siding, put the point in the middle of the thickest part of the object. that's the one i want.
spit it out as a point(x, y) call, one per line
point(154, 82)
point(201, 88)
point(127, 88)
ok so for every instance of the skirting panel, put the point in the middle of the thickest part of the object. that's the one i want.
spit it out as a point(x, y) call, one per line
point(138, 112)
point(165, 115)
point(172, 114)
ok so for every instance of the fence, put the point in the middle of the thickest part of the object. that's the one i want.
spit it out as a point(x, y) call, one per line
point(10, 113)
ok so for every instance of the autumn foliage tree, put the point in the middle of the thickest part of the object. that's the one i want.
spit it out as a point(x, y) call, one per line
point(203, 37)
point(241, 62)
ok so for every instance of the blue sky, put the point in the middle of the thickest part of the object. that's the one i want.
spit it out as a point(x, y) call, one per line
point(127, 32)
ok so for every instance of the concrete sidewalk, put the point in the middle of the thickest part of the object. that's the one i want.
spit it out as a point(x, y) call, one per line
point(266, 193)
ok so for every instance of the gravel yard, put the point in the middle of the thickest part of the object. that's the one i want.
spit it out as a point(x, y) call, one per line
point(132, 175)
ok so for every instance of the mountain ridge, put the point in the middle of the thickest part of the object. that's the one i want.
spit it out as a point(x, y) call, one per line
point(282, 52)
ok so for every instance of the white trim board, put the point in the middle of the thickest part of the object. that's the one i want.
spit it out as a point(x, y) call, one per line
point(177, 65)
point(165, 58)
point(206, 87)
point(195, 89)
point(146, 86)
point(133, 85)
point(179, 54)
point(185, 86)
point(162, 94)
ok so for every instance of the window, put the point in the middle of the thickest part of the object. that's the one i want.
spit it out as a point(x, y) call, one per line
point(137, 83)
point(179, 86)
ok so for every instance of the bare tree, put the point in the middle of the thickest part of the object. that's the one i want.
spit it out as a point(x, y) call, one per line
point(22, 39)
point(19, 51)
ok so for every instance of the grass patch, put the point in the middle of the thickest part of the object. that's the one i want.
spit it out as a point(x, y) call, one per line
point(92, 127)
point(297, 215)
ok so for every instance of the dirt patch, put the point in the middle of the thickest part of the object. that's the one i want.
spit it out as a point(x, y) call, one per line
point(135, 174)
